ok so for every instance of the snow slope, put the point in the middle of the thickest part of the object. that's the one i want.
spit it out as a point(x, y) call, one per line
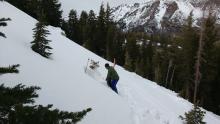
point(65, 84)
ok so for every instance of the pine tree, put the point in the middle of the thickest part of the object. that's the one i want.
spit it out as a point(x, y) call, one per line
point(10, 69)
point(111, 37)
point(82, 27)
point(209, 65)
point(16, 108)
point(3, 23)
point(73, 26)
point(158, 60)
point(131, 52)
point(128, 62)
point(108, 14)
point(140, 68)
point(195, 116)
point(40, 43)
point(100, 36)
point(53, 14)
point(190, 46)
point(90, 42)
point(119, 47)
point(149, 53)
point(214, 97)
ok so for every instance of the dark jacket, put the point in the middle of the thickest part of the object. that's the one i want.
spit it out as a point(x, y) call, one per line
point(112, 74)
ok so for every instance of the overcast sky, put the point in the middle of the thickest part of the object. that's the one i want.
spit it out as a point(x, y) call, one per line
point(87, 5)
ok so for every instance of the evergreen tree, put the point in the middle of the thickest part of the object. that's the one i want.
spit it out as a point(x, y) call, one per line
point(214, 97)
point(90, 42)
point(3, 23)
point(108, 14)
point(140, 68)
point(131, 52)
point(119, 49)
point(33, 7)
point(82, 27)
point(40, 43)
point(190, 46)
point(149, 52)
point(128, 62)
point(209, 65)
point(53, 14)
point(111, 37)
point(195, 116)
point(16, 108)
point(101, 33)
point(160, 58)
point(10, 69)
point(73, 26)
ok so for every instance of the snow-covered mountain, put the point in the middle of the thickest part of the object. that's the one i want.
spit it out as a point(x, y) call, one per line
point(87, 5)
point(156, 14)
point(67, 86)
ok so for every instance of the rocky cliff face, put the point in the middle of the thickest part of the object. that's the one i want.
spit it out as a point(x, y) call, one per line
point(169, 15)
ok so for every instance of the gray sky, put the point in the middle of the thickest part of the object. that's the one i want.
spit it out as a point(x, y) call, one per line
point(87, 5)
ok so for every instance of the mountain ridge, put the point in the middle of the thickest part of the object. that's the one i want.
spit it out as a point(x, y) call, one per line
point(153, 15)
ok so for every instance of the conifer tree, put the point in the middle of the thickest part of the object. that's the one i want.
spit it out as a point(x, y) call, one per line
point(140, 68)
point(108, 15)
point(209, 65)
point(33, 7)
point(16, 108)
point(194, 116)
point(214, 106)
point(53, 14)
point(190, 46)
point(149, 62)
point(3, 23)
point(128, 62)
point(131, 52)
point(83, 20)
point(119, 47)
point(73, 26)
point(90, 42)
point(10, 69)
point(40, 43)
point(111, 37)
point(158, 60)
point(101, 32)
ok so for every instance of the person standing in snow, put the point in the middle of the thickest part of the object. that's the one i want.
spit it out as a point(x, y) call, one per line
point(112, 77)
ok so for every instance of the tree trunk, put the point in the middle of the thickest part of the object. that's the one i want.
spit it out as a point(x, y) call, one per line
point(198, 62)
point(168, 71)
point(171, 80)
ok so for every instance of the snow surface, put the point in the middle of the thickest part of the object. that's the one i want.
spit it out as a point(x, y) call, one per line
point(65, 84)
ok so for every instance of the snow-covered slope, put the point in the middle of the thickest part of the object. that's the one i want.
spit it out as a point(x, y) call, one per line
point(155, 14)
point(65, 84)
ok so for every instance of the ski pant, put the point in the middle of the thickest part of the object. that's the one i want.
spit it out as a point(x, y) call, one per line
point(112, 84)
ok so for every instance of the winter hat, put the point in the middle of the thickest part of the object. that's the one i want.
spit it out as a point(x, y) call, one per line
point(106, 65)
